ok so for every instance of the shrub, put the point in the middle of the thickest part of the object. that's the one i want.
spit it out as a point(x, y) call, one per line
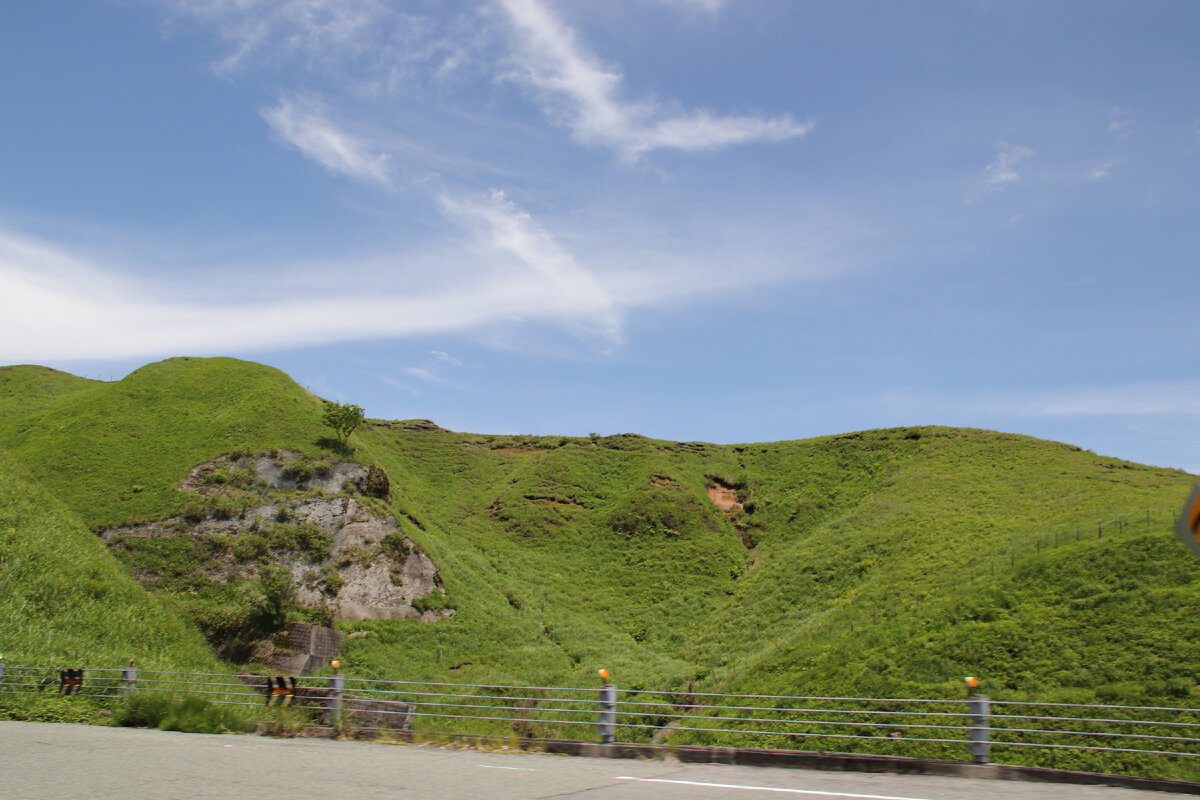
point(375, 484)
point(278, 595)
point(189, 714)
point(298, 470)
point(332, 580)
point(250, 547)
point(436, 600)
point(305, 537)
point(395, 546)
point(51, 708)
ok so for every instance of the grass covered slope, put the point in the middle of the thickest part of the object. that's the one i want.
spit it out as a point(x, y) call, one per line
point(116, 452)
point(883, 561)
point(880, 562)
point(1037, 566)
point(64, 599)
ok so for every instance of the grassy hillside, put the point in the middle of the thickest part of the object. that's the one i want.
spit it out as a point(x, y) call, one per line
point(65, 600)
point(888, 562)
point(116, 452)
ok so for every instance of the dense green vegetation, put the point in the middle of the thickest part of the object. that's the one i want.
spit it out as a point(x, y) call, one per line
point(64, 600)
point(879, 563)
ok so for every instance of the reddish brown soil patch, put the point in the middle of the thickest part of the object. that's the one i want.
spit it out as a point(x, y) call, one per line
point(724, 498)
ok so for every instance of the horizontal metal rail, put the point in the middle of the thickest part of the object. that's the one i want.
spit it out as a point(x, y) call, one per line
point(791, 697)
point(715, 717)
point(806, 710)
point(1094, 705)
point(473, 685)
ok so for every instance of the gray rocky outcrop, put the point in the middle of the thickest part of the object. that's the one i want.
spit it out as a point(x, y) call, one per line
point(374, 578)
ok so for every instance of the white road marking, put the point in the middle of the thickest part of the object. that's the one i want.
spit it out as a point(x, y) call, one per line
point(770, 789)
point(515, 769)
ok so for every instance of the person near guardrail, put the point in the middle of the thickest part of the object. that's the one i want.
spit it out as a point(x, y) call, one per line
point(281, 690)
point(70, 681)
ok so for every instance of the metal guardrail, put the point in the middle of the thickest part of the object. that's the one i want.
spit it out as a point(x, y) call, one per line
point(972, 725)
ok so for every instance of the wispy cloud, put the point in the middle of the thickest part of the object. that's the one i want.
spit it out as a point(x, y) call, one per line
point(1178, 398)
point(1004, 168)
point(367, 38)
point(509, 237)
point(421, 373)
point(305, 126)
point(1121, 125)
point(59, 306)
point(1166, 399)
point(707, 6)
point(586, 96)
point(1102, 171)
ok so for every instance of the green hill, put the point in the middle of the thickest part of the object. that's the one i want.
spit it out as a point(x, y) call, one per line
point(64, 600)
point(879, 563)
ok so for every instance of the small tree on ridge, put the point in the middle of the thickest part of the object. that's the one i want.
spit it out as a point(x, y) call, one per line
point(343, 418)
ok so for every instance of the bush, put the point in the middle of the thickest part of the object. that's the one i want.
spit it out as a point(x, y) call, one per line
point(375, 484)
point(189, 714)
point(434, 601)
point(395, 546)
point(304, 537)
point(250, 547)
point(51, 708)
point(332, 579)
point(278, 595)
point(297, 470)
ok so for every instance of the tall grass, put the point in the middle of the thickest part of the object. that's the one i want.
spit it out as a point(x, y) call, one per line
point(889, 562)
point(65, 601)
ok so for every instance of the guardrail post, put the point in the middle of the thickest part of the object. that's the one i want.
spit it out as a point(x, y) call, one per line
point(129, 679)
point(607, 726)
point(1, 673)
point(333, 706)
point(979, 709)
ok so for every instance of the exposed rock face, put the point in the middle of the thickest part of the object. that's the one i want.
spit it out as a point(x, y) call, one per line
point(358, 574)
point(287, 471)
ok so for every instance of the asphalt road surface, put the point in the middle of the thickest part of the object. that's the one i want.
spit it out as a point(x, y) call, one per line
point(78, 762)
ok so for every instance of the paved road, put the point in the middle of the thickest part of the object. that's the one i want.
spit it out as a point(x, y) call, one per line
point(52, 762)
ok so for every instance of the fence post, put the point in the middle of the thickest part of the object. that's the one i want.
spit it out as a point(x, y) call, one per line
point(607, 726)
point(978, 710)
point(333, 706)
point(129, 679)
point(1, 673)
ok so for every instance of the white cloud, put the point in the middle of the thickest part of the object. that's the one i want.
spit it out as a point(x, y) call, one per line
point(708, 6)
point(1180, 398)
point(508, 269)
point(1166, 399)
point(1121, 126)
point(57, 306)
point(585, 96)
point(421, 373)
point(305, 126)
point(1003, 168)
point(509, 237)
point(367, 36)
point(1102, 171)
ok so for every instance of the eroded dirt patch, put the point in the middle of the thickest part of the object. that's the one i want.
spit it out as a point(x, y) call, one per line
point(725, 498)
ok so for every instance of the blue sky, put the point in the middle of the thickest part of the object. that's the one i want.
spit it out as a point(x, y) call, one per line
point(729, 221)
